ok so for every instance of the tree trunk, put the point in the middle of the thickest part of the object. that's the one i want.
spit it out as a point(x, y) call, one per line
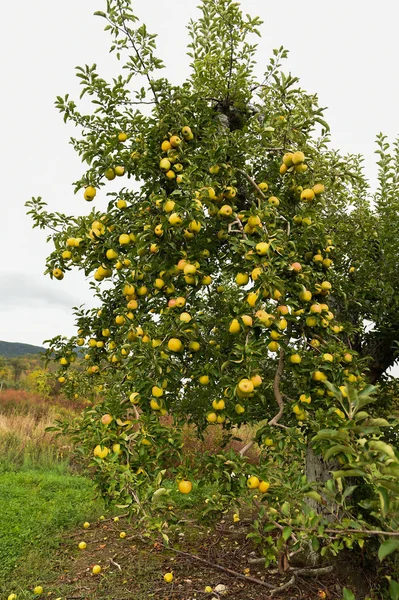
point(318, 470)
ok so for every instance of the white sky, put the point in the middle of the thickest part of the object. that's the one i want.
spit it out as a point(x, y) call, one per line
point(344, 51)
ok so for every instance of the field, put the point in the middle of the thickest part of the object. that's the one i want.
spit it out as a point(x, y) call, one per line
point(44, 501)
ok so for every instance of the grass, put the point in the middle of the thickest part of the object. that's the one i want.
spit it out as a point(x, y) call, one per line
point(43, 505)
point(40, 496)
point(35, 506)
point(24, 444)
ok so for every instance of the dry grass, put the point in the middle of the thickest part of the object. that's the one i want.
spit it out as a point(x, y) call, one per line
point(213, 441)
point(24, 442)
point(23, 402)
point(26, 427)
point(24, 417)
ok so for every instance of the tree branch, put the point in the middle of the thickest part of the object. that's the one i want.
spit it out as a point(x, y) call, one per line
point(230, 65)
point(277, 393)
point(125, 30)
point(241, 228)
point(285, 586)
point(252, 182)
point(225, 569)
point(247, 446)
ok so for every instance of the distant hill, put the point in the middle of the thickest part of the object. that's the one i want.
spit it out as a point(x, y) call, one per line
point(11, 349)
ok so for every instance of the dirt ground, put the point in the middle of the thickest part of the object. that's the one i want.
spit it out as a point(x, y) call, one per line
point(133, 567)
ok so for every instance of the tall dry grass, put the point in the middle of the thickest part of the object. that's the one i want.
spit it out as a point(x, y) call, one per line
point(24, 442)
point(24, 402)
point(212, 441)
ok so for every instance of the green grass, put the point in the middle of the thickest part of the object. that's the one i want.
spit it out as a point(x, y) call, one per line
point(35, 507)
point(30, 457)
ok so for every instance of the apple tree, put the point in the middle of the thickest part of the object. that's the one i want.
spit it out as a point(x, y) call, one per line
point(219, 303)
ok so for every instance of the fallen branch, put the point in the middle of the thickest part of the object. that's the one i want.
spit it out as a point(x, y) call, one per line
point(309, 572)
point(111, 560)
point(283, 587)
point(225, 569)
point(257, 561)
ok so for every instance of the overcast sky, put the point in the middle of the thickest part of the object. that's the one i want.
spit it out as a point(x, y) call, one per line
point(344, 51)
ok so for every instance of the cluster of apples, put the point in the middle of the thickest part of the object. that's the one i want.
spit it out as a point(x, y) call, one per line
point(244, 389)
point(110, 173)
point(170, 163)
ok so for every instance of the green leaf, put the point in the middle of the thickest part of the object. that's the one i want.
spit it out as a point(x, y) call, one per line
point(349, 491)
point(165, 538)
point(393, 590)
point(314, 496)
point(338, 449)
point(387, 548)
point(315, 544)
point(348, 595)
point(384, 500)
point(378, 422)
point(380, 446)
point(391, 470)
point(330, 434)
point(287, 531)
point(349, 473)
point(160, 492)
point(389, 485)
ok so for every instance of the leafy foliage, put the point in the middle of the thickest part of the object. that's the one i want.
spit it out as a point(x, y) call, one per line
point(234, 272)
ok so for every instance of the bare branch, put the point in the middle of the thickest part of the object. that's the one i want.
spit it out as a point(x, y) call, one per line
point(240, 230)
point(111, 560)
point(277, 393)
point(285, 586)
point(262, 195)
point(225, 569)
point(252, 182)
point(247, 446)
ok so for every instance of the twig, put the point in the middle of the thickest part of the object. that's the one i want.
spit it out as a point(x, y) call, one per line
point(255, 185)
point(252, 182)
point(136, 412)
point(231, 63)
point(313, 572)
point(126, 31)
point(368, 531)
point(111, 560)
point(288, 397)
point(240, 226)
point(277, 394)
point(225, 569)
point(247, 446)
point(285, 586)
point(340, 531)
point(137, 500)
point(281, 529)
